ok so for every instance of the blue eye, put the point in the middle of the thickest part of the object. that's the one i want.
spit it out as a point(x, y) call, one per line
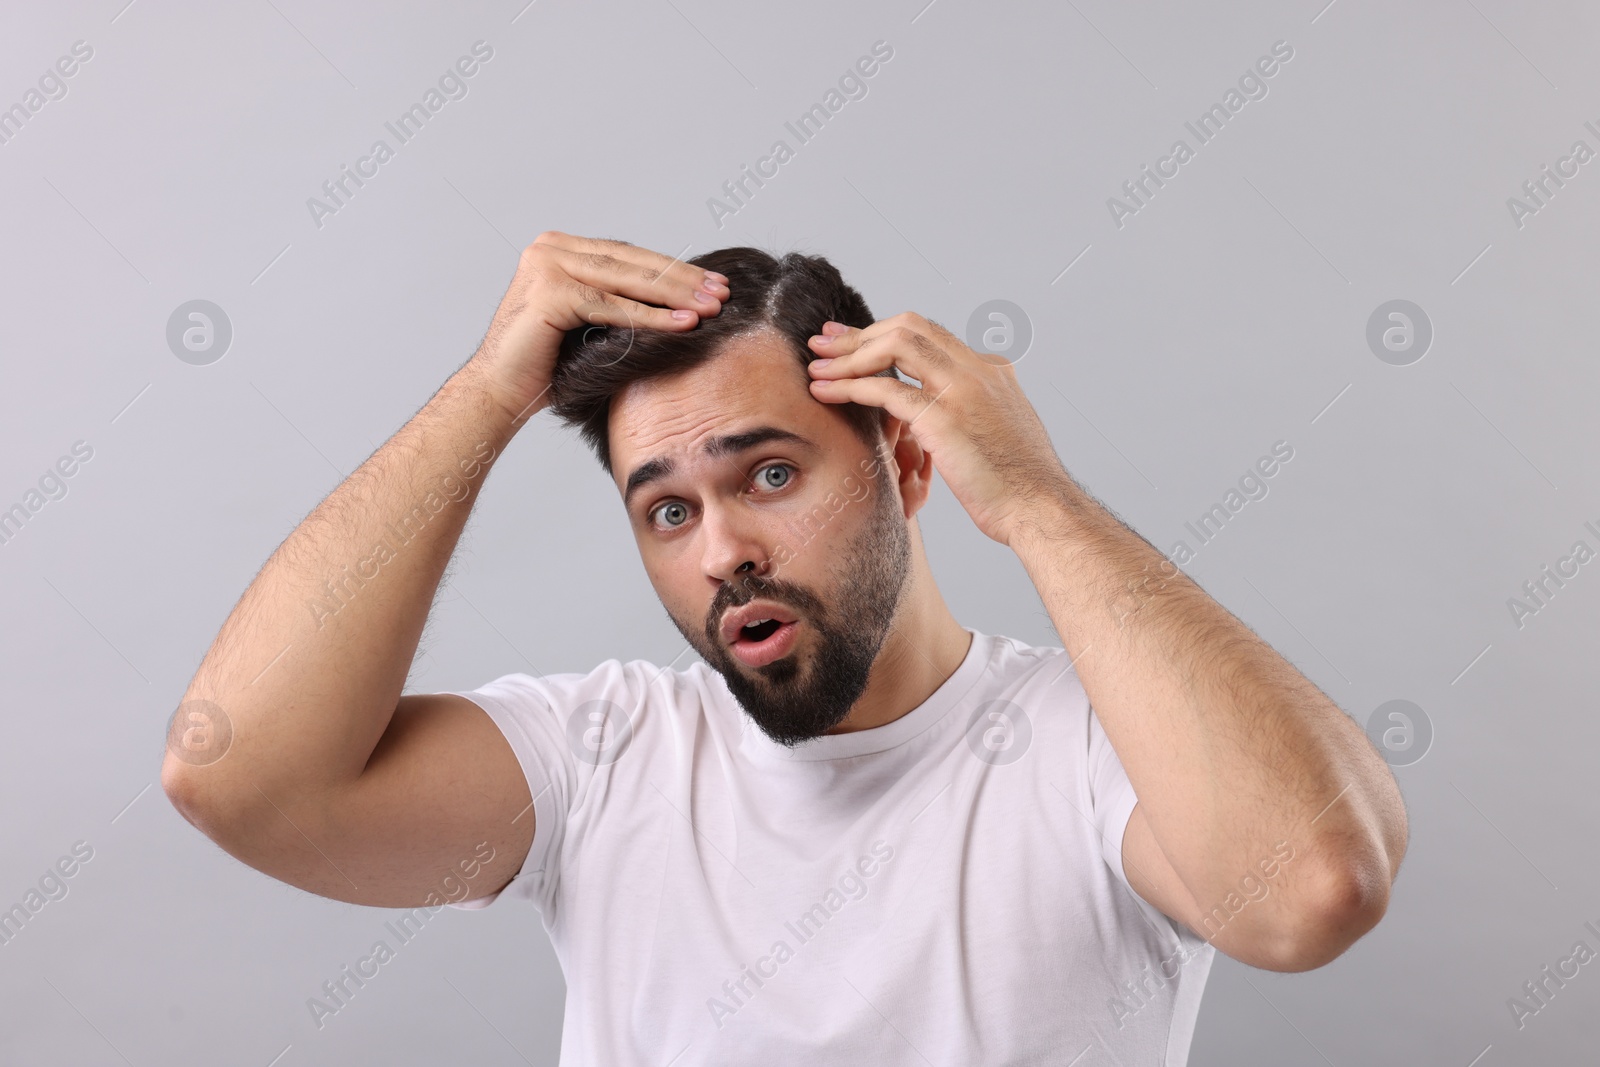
point(765, 476)
point(674, 512)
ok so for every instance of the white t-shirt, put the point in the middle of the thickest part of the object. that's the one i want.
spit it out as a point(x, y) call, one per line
point(943, 889)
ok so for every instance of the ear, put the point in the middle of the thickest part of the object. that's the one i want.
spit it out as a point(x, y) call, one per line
point(913, 466)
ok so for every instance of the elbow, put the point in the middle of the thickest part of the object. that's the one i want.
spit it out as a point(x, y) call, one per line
point(1350, 899)
point(1346, 895)
point(198, 736)
point(1342, 891)
point(199, 797)
point(183, 790)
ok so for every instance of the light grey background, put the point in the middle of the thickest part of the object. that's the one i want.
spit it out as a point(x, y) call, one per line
point(1228, 314)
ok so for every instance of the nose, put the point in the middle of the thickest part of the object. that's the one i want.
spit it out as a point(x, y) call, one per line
point(735, 548)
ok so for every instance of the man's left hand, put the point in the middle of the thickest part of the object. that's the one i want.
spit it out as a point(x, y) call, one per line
point(986, 440)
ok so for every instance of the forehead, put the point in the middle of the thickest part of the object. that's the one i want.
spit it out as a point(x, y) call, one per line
point(754, 379)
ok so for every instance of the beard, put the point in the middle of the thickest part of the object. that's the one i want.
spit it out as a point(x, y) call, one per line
point(793, 700)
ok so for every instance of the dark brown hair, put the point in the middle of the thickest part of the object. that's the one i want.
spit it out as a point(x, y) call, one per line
point(794, 295)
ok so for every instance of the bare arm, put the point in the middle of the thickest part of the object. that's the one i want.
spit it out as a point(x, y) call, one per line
point(1238, 759)
point(308, 670)
point(1231, 751)
point(317, 771)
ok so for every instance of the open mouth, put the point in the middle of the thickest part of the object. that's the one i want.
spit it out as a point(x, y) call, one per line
point(763, 641)
point(759, 631)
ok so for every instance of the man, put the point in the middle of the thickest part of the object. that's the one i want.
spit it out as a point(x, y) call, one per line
point(859, 831)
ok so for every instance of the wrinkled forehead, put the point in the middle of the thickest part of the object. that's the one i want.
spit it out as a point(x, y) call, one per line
point(754, 379)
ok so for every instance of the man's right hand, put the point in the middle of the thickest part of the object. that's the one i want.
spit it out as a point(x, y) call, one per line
point(564, 282)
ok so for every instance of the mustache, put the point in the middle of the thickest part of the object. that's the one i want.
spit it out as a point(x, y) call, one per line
point(737, 594)
point(743, 590)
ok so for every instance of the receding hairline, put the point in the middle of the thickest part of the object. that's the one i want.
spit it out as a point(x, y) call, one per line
point(718, 349)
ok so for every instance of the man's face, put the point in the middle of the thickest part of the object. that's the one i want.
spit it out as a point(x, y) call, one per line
point(752, 500)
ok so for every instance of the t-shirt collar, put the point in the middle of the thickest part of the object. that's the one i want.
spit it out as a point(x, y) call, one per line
point(879, 738)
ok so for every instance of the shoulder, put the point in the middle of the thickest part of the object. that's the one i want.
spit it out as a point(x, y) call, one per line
point(1020, 696)
point(566, 725)
point(1018, 665)
point(628, 689)
point(612, 677)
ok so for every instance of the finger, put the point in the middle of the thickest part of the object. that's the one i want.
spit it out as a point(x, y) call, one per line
point(878, 347)
point(943, 337)
point(836, 338)
point(676, 285)
point(597, 307)
point(904, 402)
point(672, 265)
point(861, 362)
point(640, 274)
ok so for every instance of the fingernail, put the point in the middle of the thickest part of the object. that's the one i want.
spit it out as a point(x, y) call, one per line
point(821, 362)
point(702, 296)
point(723, 278)
point(680, 314)
point(821, 338)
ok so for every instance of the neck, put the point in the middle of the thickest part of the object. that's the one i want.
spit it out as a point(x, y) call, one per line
point(924, 647)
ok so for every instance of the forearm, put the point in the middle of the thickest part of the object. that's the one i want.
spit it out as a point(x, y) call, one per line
point(1229, 748)
point(310, 664)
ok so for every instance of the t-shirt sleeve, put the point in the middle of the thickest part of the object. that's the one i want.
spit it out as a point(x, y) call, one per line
point(1111, 797)
point(1113, 800)
point(550, 722)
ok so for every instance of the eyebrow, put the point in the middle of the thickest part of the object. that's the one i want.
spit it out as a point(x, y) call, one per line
point(654, 470)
